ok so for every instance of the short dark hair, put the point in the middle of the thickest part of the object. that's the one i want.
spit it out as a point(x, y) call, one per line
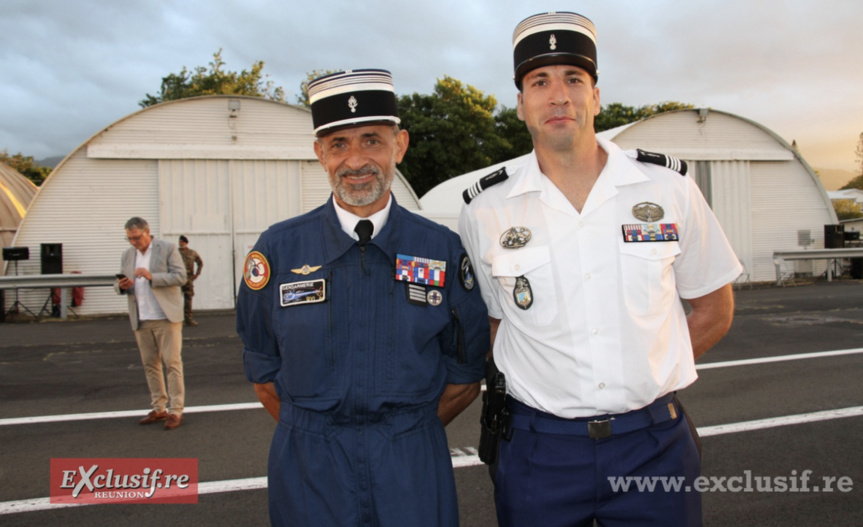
point(184, 239)
point(136, 222)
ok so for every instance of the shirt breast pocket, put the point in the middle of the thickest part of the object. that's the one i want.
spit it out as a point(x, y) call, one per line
point(647, 276)
point(534, 264)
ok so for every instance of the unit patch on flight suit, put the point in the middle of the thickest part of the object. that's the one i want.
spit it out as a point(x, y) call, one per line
point(256, 271)
point(465, 273)
point(650, 232)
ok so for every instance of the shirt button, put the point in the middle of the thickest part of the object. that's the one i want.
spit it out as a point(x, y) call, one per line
point(602, 386)
point(587, 276)
point(516, 267)
point(653, 251)
point(595, 331)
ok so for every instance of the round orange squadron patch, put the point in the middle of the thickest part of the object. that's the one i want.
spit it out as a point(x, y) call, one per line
point(256, 270)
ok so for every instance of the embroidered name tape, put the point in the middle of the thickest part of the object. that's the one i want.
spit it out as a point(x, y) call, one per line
point(309, 292)
point(423, 271)
point(650, 232)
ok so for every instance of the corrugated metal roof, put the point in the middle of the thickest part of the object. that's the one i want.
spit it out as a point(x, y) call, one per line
point(16, 193)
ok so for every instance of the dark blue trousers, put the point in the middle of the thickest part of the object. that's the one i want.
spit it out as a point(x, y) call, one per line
point(557, 479)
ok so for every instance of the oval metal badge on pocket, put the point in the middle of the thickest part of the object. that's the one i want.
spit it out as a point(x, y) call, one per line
point(522, 293)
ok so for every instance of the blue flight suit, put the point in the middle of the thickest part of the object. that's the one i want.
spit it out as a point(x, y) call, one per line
point(360, 373)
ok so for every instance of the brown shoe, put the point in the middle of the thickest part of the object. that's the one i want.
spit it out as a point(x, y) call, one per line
point(154, 416)
point(191, 323)
point(174, 420)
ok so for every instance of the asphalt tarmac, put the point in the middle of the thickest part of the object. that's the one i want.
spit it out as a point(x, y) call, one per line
point(766, 421)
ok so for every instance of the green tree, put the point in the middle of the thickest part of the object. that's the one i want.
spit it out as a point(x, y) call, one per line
point(215, 81)
point(847, 209)
point(303, 96)
point(26, 166)
point(452, 131)
point(857, 182)
point(515, 139)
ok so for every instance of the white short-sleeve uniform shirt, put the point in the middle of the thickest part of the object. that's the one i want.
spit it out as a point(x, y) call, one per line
point(606, 331)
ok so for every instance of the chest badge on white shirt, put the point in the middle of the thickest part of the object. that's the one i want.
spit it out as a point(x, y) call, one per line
point(515, 238)
point(522, 293)
point(648, 212)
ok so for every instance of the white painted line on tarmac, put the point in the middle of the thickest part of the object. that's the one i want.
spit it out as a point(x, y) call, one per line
point(773, 422)
point(210, 487)
point(124, 413)
point(252, 406)
point(465, 457)
point(781, 358)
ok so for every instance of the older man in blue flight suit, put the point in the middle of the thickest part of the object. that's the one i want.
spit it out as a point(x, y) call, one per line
point(363, 330)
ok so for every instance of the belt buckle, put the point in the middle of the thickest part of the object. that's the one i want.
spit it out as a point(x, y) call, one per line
point(599, 429)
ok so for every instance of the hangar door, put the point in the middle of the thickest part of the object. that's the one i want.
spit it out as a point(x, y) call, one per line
point(222, 206)
point(726, 187)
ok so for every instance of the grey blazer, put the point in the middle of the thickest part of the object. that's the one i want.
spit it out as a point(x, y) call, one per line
point(169, 273)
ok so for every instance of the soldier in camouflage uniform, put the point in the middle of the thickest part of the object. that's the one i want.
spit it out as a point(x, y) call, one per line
point(190, 258)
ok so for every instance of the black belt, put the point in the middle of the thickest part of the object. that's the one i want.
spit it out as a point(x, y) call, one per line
point(527, 418)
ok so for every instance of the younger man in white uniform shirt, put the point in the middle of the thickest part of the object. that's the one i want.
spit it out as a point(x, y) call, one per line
point(583, 256)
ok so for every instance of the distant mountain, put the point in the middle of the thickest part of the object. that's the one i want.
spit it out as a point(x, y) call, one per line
point(52, 161)
point(834, 179)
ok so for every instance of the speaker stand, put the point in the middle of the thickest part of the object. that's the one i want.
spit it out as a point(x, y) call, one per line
point(16, 305)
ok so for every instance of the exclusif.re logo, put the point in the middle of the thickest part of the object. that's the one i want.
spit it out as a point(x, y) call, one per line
point(124, 480)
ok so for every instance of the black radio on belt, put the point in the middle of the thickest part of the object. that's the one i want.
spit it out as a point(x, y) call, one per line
point(495, 415)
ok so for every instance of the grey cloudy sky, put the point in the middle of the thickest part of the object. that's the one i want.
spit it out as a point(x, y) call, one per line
point(72, 67)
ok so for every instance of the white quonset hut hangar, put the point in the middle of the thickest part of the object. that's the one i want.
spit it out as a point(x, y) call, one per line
point(219, 169)
point(764, 194)
point(16, 193)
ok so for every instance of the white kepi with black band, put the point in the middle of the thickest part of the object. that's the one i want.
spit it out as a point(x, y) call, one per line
point(352, 98)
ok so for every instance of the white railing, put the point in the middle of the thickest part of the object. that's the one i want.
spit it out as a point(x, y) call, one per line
point(62, 281)
point(831, 255)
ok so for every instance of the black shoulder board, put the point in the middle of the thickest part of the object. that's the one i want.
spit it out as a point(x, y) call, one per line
point(485, 182)
point(678, 165)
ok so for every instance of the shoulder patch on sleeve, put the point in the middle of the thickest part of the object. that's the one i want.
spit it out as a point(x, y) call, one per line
point(256, 271)
point(485, 182)
point(678, 165)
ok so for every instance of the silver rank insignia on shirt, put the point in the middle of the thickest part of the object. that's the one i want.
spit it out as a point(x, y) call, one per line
point(515, 238)
point(647, 211)
point(522, 293)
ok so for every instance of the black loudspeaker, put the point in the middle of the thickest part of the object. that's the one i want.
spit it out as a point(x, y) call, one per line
point(834, 236)
point(13, 254)
point(52, 258)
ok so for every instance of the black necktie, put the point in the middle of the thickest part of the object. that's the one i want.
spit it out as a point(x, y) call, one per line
point(364, 230)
